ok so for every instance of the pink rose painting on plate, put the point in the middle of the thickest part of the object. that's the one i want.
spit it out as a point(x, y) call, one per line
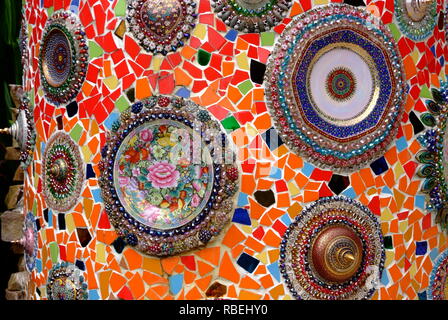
point(158, 182)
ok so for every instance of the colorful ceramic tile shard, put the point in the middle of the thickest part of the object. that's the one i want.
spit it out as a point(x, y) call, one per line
point(335, 88)
point(30, 241)
point(416, 18)
point(168, 176)
point(251, 15)
point(438, 286)
point(63, 172)
point(434, 158)
point(161, 26)
point(333, 250)
point(65, 282)
point(63, 57)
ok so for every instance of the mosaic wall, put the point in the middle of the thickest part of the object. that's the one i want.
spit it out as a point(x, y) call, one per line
point(331, 118)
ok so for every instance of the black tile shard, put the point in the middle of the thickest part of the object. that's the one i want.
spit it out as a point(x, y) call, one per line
point(338, 183)
point(257, 70)
point(416, 123)
point(83, 236)
point(266, 197)
point(61, 221)
point(72, 109)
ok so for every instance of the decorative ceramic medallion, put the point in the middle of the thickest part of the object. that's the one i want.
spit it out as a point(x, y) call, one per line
point(161, 26)
point(63, 57)
point(29, 241)
point(168, 176)
point(62, 173)
point(335, 87)
point(332, 251)
point(434, 158)
point(251, 15)
point(438, 285)
point(23, 131)
point(65, 282)
point(416, 18)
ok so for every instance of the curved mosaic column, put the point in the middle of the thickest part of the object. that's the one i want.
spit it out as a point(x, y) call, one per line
point(333, 250)
point(335, 87)
point(168, 176)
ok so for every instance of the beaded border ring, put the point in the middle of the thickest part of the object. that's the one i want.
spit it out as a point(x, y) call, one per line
point(332, 251)
point(62, 172)
point(65, 282)
point(438, 281)
point(135, 225)
point(63, 57)
point(30, 241)
point(434, 158)
point(251, 16)
point(23, 43)
point(346, 143)
point(416, 19)
point(162, 26)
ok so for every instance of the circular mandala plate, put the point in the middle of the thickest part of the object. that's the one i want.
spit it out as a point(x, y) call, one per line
point(63, 57)
point(30, 241)
point(161, 26)
point(438, 285)
point(434, 157)
point(332, 251)
point(251, 15)
point(168, 176)
point(63, 172)
point(335, 87)
point(65, 283)
point(416, 18)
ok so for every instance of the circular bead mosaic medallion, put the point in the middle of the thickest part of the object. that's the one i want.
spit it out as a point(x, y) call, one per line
point(251, 15)
point(438, 285)
point(63, 57)
point(24, 133)
point(63, 172)
point(65, 283)
point(416, 18)
point(30, 241)
point(168, 176)
point(434, 157)
point(332, 251)
point(161, 26)
point(335, 87)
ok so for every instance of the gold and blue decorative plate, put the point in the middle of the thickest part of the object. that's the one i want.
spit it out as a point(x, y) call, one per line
point(416, 18)
point(335, 87)
point(438, 282)
point(63, 57)
point(434, 157)
point(251, 15)
point(65, 282)
point(168, 176)
point(62, 173)
point(333, 251)
point(161, 26)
